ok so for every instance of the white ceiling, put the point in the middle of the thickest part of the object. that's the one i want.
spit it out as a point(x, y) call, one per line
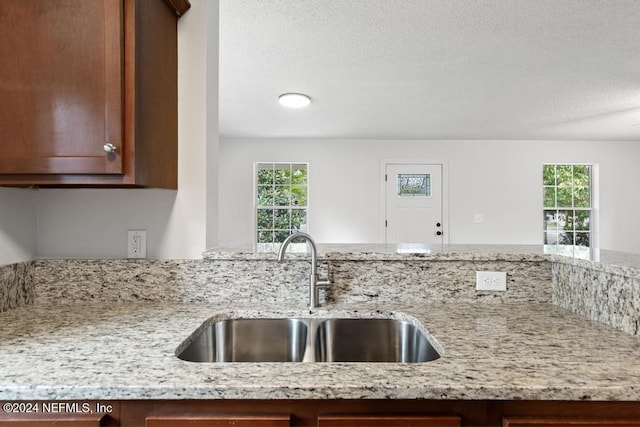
point(432, 69)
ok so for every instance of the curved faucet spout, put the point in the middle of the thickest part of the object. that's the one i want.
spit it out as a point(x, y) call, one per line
point(314, 282)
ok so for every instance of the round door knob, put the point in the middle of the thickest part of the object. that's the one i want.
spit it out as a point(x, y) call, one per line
point(110, 148)
point(438, 224)
point(439, 233)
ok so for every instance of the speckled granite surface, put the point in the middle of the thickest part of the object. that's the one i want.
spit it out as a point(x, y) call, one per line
point(233, 282)
point(109, 329)
point(608, 293)
point(402, 252)
point(433, 281)
point(126, 351)
point(17, 287)
point(263, 279)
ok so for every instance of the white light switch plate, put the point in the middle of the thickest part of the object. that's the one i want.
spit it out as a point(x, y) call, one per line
point(491, 281)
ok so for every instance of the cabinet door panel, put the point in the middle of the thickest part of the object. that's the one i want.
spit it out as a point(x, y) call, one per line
point(217, 420)
point(61, 92)
point(387, 421)
point(46, 420)
point(566, 422)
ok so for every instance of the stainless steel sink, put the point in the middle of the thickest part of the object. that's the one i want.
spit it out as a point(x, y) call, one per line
point(372, 340)
point(310, 340)
point(249, 340)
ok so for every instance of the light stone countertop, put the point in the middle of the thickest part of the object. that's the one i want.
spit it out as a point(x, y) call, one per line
point(391, 252)
point(616, 262)
point(127, 351)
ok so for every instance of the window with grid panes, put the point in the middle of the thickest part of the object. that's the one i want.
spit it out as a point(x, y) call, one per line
point(567, 211)
point(281, 203)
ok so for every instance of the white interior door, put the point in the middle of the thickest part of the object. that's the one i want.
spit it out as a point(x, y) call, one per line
point(413, 205)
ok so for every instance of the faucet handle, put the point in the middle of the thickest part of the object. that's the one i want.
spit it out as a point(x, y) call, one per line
point(324, 283)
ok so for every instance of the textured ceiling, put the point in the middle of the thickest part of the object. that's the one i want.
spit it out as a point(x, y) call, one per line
point(432, 69)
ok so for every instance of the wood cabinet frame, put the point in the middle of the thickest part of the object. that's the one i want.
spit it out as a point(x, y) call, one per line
point(146, 90)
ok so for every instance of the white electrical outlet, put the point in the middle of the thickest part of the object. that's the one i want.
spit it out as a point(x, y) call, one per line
point(491, 281)
point(137, 244)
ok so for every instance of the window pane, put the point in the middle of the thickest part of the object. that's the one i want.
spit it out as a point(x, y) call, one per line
point(280, 235)
point(565, 221)
point(281, 195)
point(550, 227)
point(582, 220)
point(570, 221)
point(281, 219)
point(265, 176)
point(581, 198)
point(299, 219)
point(550, 220)
point(299, 196)
point(265, 236)
point(265, 195)
point(549, 197)
point(549, 175)
point(583, 239)
point(412, 185)
point(281, 176)
point(566, 238)
point(564, 175)
point(551, 237)
point(581, 175)
point(298, 176)
point(565, 197)
point(265, 219)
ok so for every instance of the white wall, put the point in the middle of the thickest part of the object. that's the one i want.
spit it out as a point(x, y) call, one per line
point(499, 179)
point(78, 223)
point(18, 225)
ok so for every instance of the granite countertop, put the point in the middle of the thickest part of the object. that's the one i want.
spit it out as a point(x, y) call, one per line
point(606, 260)
point(127, 351)
point(390, 252)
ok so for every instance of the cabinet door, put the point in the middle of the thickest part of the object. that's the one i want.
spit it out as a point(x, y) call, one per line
point(566, 422)
point(51, 420)
point(62, 85)
point(217, 420)
point(337, 420)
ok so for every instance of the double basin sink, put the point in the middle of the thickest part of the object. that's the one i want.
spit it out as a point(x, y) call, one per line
point(309, 340)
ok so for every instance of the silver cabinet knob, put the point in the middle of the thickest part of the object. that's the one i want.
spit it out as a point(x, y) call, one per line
point(110, 148)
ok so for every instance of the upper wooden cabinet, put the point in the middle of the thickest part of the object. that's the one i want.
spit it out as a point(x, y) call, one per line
point(88, 93)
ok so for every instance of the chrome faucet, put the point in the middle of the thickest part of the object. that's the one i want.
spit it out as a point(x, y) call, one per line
point(314, 282)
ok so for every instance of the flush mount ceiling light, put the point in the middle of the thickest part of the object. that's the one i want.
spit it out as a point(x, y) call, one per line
point(294, 100)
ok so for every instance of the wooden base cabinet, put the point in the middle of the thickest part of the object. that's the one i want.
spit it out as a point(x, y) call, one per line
point(89, 92)
point(323, 413)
